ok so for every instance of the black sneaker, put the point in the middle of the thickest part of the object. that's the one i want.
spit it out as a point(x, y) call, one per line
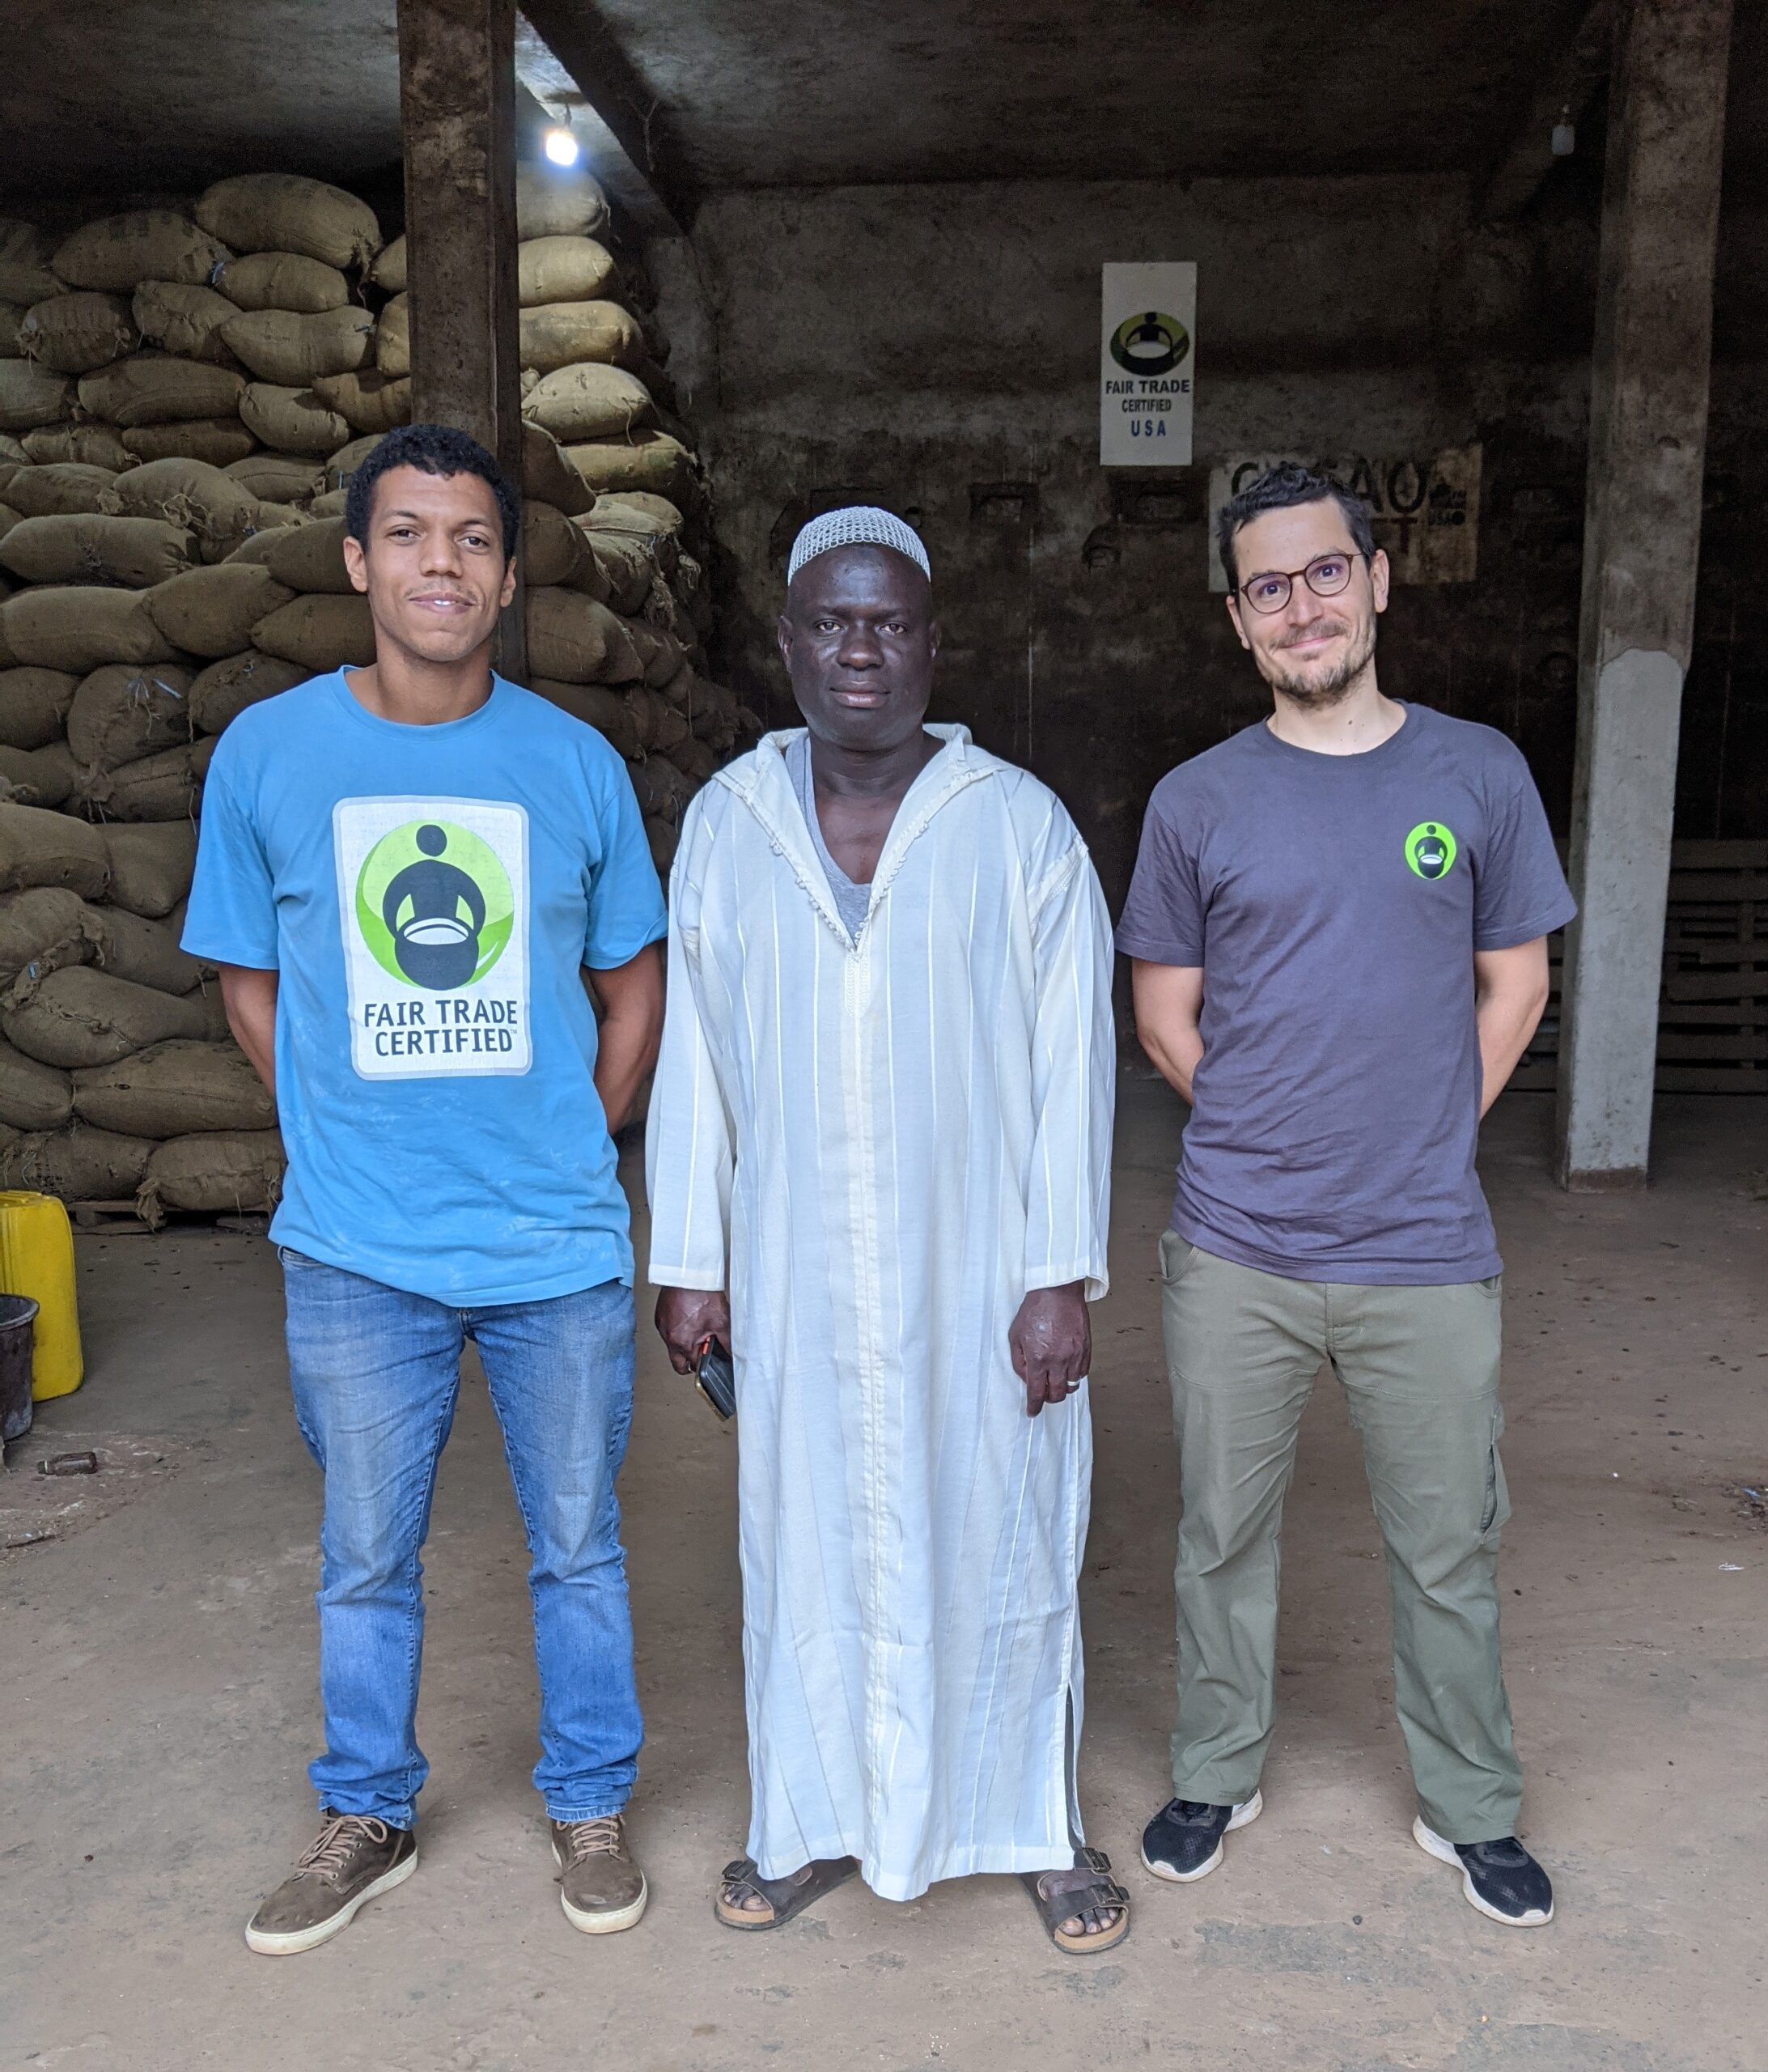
point(1183, 1841)
point(1500, 1878)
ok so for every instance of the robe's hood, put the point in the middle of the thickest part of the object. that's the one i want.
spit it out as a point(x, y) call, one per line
point(761, 781)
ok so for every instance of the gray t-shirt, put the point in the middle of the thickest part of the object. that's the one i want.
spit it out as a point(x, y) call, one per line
point(852, 901)
point(1335, 903)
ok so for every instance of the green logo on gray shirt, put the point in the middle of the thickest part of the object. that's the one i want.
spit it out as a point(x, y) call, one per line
point(1430, 850)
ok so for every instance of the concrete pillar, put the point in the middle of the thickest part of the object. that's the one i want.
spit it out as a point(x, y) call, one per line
point(457, 113)
point(1641, 552)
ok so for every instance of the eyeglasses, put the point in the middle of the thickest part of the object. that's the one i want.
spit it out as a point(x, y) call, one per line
point(1326, 575)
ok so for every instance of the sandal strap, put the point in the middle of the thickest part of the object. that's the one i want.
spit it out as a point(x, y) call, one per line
point(1092, 1875)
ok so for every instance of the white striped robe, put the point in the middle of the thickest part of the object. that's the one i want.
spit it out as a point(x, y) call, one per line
point(879, 1146)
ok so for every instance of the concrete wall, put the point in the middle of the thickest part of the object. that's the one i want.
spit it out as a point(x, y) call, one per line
point(926, 346)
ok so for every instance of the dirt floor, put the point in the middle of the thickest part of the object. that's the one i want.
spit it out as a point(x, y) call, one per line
point(158, 1665)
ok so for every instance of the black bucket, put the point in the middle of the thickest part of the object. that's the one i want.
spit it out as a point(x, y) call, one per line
point(18, 1335)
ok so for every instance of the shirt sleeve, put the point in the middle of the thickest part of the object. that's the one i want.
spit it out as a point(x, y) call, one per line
point(1163, 918)
point(625, 900)
point(1519, 892)
point(231, 917)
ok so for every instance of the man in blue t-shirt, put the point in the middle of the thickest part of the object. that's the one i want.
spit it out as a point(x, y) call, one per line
point(407, 874)
point(1339, 922)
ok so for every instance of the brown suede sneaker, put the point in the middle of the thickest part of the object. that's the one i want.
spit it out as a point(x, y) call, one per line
point(600, 1887)
point(349, 1861)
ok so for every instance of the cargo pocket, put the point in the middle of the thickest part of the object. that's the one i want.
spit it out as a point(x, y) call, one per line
point(1495, 1511)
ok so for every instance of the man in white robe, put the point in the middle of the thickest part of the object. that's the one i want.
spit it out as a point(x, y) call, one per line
point(879, 1159)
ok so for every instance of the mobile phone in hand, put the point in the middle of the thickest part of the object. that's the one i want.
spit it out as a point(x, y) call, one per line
point(715, 1377)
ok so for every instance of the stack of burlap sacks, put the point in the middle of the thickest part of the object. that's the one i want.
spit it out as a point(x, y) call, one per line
point(178, 435)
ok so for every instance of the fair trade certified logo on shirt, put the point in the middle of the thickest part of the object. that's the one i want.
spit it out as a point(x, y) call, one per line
point(1430, 850)
point(433, 900)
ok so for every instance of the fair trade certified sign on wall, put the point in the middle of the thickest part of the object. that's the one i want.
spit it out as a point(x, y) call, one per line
point(1147, 345)
point(1423, 508)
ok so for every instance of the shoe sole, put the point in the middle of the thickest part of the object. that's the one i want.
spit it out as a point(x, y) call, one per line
point(292, 1944)
point(1242, 1816)
point(1433, 1844)
point(603, 1924)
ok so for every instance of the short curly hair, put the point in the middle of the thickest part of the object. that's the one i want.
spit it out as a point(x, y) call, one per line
point(436, 449)
point(1279, 489)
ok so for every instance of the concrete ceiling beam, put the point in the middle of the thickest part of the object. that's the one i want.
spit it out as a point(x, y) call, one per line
point(1568, 87)
point(566, 58)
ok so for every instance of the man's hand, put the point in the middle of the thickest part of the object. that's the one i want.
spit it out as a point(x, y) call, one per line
point(687, 1317)
point(1051, 1342)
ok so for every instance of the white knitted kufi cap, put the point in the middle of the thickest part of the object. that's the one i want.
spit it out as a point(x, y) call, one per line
point(858, 525)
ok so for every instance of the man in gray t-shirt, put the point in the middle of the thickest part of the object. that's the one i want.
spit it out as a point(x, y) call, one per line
point(1338, 923)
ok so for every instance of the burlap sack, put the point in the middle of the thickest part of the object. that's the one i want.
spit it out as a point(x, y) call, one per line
point(343, 463)
point(551, 202)
point(53, 848)
point(563, 269)
point(190, 493)
point(694, 759)
point(220, 1172)
point(283, 346)
point(119, 253)
point(663, 791)
point(12, 454)
point(79, 627)
point(74, 334)
point(647, 459)
point(33, 1096)
point(309, 559)
point(93, 445)
point(38, 776)
point(41, 930)
point(283, 280)
point(329, 503)
point(216, 441)
point(183, 319)
point(661, 726)
point(573, 639)
point(640, 511)
point(148, 868)
point(31, 395)
point(290, 478)
point(627, 565)
point(79, 1017)
point(664, 838)
point(121, 714)
point(146, 954)
point(34, 706)
point(609, 712)
point(368, 401)
point(283, 212)
point(131, 554)
point(77, 1164)
point(164, 787)
point(12, 316)
point(59, 486)
point(587, 402)
point(160, 389)
point(393, 338)
point(558, 334)
point(293, 420)
point(211, 612)
point(547, 475)
point(25, 281)
point(388, 270)
point(223, 690)
point(551, 549)
point(172, 1090)
point(320, 633)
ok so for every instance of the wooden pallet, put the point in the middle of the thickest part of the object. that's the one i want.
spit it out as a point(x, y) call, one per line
point(1713, 1008)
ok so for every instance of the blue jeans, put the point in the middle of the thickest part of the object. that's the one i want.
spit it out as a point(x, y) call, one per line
point(376, 1373)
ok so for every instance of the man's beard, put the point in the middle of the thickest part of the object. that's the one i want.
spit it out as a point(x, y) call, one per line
point(1320, 694)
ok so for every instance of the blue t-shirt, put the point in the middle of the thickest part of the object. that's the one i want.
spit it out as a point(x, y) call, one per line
point(1334, 903)
point(429, 895)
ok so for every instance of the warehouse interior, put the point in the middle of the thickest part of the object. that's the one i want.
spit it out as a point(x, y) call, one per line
point(1509, 253)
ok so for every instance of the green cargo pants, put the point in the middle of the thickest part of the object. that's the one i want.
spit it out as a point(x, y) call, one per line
point(1419, 1369)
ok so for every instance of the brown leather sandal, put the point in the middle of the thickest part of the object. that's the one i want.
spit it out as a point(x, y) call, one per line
point(1083, 1893)
point(785, 1896)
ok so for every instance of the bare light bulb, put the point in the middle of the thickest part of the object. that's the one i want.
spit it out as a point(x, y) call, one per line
point(560, 146)
point(1565, 136)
